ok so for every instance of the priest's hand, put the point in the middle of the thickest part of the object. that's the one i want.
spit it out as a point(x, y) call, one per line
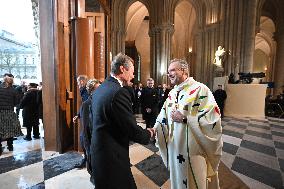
point(178, 117)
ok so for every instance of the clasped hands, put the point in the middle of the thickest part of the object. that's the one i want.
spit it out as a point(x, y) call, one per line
point(177, 116)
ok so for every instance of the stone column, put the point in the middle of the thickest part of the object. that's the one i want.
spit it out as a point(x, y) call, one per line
point(279, 63)
point(249, 38)
point(160, 45)
point(117, 41)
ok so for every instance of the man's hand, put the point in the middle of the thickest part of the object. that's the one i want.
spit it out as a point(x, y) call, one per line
point(177, 116)
point(152, 132)
point(75, 118)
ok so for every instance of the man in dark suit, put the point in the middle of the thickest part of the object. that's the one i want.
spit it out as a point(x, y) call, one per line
point(220, 96)
point(149, 103)
point(114, 125)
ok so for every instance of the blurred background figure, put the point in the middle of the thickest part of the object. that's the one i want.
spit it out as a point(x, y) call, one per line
point(82, 82)
point(39, 102)
point(137, 102)
point(2, 83)
point(30, 112)
point(21, 89)
point(149, 103)
point(87, 124)
point(9, 124)
point(220, 96)
point(163, 95)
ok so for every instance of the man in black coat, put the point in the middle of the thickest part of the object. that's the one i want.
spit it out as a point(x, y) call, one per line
point(30, 112)
point(114, 125)
point(150, 103)
point(220, 96)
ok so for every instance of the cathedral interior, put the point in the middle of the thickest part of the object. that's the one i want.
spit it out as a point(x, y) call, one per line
point(80, 37)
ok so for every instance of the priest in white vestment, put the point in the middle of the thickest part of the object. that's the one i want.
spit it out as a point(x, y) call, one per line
point(189, 132)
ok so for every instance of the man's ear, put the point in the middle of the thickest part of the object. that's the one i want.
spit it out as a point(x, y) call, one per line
point(121, 69)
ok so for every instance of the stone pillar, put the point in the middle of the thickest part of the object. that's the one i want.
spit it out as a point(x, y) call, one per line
point(160, 45)
point(117, 41)
point(249, 38)
point(279, 63)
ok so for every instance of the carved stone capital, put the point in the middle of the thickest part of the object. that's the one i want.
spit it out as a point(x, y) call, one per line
point(157, 29)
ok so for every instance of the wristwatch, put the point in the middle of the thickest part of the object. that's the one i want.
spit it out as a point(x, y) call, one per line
point(184, 120)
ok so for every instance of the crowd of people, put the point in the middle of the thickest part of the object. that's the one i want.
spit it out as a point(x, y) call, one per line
point(12, 99)
point(274, 105)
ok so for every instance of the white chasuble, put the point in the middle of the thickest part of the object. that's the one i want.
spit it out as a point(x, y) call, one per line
point(191, 151)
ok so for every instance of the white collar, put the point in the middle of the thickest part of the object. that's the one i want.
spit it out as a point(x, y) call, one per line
point(188, 81)
point(119, 81)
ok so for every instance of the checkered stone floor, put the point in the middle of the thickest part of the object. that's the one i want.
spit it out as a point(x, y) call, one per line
point(253, 150)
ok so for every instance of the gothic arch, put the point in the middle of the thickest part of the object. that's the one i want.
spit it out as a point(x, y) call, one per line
point(120, 8)
point(185, 19)
point(265, 44)
point(273, 10)
point(197, 4)
point(138, 40)
point(134, 19)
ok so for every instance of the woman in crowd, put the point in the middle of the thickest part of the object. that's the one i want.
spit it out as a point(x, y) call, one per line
point(9, 124)
point(86, 124)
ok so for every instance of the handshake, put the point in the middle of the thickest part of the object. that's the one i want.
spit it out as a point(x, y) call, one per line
point(152, 132)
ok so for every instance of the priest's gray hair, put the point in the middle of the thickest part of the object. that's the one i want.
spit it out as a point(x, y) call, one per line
point(183, 64)
point(120, 60)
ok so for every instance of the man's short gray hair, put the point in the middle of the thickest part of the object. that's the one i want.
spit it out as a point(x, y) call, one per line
point(183, 64)
point(120, 60)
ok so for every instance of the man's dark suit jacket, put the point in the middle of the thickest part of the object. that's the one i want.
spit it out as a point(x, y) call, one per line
point(113, 127)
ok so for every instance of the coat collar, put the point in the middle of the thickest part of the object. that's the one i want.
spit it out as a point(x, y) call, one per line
point(113, 79)
point(187, 82)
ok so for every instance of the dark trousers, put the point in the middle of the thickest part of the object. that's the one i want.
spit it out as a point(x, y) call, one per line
point(82, 143)
point(221, 106)
point(137, 109)
point(150, 119)
point(10, 142)
point(34, 128)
